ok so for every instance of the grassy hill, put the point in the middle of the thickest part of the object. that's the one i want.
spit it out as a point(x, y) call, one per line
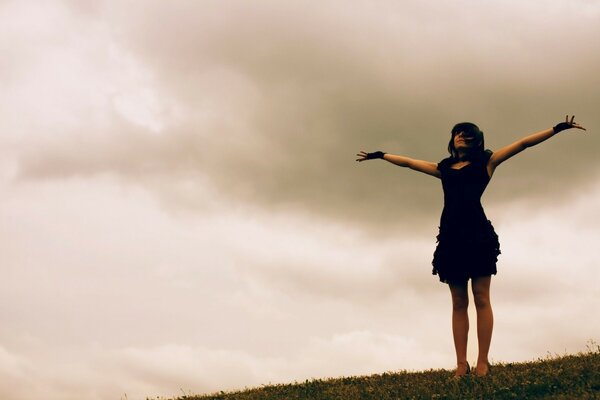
point(566, 377)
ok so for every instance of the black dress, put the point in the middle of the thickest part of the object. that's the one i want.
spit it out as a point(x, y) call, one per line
point(467, 245)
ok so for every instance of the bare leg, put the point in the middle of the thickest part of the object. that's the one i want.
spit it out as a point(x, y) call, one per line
point(485, 321)
point(460, 325)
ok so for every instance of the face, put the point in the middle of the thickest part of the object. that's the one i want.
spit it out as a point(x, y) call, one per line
point(464, 142)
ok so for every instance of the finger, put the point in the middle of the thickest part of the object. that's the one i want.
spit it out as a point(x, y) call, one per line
point(567, 118)
point(572, 119)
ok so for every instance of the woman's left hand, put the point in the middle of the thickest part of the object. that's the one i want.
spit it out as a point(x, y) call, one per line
point(567, 125)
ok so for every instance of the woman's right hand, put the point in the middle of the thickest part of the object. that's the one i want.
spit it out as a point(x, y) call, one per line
point(362, 156)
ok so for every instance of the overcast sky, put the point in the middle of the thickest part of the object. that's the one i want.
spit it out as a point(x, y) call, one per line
point(181, 209)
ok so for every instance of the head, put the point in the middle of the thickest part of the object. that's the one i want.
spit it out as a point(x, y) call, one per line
point(466, 138)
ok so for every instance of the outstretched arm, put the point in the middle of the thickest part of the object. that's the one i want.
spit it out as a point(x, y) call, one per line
point(426, 167)
point(515, 148)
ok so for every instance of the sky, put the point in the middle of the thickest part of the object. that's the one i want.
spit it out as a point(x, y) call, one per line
point(182, 211)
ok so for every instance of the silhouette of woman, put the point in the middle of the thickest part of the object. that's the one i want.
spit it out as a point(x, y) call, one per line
point(467, 245)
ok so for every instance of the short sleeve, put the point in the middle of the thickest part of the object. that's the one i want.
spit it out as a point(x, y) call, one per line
point(445, 163)
point(482, 157)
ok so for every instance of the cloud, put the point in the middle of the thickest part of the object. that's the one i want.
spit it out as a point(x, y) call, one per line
point(166, 370)
point(275, 119)
point(332, 261)
point(187, 173)
point(177, 292)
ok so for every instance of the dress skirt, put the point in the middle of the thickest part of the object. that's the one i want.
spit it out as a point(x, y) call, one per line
point(463, 254)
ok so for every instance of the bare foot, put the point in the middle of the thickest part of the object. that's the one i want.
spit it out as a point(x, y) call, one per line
point(462, 369)
point(482, 369)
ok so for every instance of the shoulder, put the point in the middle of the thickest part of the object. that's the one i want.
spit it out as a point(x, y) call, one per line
point(489, 168)
point(484, 156)
point(445, 163)
point(487, 154)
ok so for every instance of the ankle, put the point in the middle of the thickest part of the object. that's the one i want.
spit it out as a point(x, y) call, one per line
point(482, 368)
point(462, 369)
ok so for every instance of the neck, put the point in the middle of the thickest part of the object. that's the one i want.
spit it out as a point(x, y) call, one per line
point(462, 155)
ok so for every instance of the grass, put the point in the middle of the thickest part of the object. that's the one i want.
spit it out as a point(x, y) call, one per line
point(566, 377)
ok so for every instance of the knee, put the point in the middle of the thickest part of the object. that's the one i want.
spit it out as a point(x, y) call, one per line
point(482, 300)
point(460, 304)
point(481, 292)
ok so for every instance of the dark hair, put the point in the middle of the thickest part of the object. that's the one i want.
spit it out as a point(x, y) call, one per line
point(469, 129)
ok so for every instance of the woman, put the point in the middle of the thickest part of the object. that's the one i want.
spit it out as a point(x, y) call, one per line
point(468, 246)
